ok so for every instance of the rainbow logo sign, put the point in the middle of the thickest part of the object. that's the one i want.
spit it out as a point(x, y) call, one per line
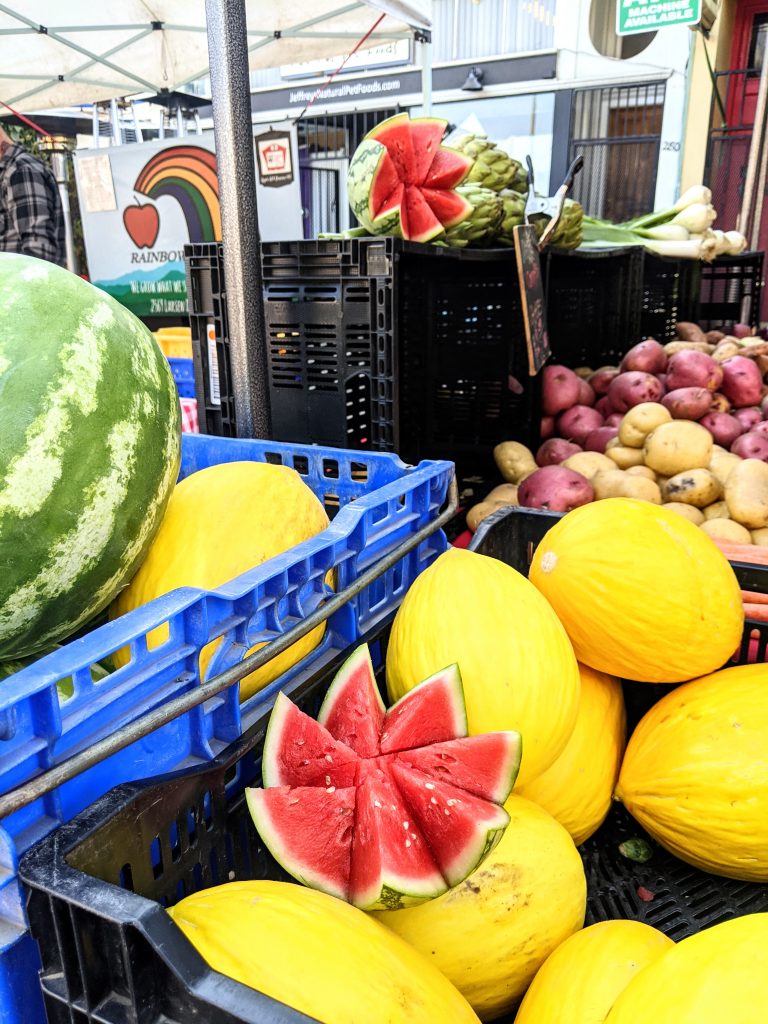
point(188, 173)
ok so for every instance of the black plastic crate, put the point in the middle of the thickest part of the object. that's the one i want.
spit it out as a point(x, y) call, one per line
point(381, 344)
point(731, 290)
point(594, 304)
point(670, 293)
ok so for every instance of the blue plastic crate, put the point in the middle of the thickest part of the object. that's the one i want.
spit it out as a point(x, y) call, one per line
point(184, 375)
point(375, 502)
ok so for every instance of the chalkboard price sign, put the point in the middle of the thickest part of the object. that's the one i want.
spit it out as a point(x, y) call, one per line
point(532, 297)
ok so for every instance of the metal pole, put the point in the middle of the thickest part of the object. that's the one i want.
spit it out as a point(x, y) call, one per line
point(231, 101)
point(424, 40)
point(59, 160)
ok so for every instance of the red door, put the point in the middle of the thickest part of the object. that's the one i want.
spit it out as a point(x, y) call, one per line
point(750, 31)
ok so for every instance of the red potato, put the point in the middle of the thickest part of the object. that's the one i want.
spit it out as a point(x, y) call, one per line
point(742, 381)
point(586, 395)
point(601, 379)
point(760, 428)
point(648, 357)
point(689, 331)
point(764, 406)
point(713, 337)
point(748, 417)
point(688, 403)
point(751, 446)
point(598, 439)
point(742, 331)
point(603, 406)
point(723, 428)
point(547, 427)
point(578, 421)
point(555, 450)
point(555, 488)
point(632, 388)
point(614, 420)
point(560, 390)
point(662, 379)
point(720, 403)
point(692, 369)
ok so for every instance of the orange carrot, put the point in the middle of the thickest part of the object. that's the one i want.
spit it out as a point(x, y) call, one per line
point(750, 553)
point(749, 597)
point(758, 612)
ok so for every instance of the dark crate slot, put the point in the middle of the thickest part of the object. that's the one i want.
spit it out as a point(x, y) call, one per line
point(670, 293)
point(731, 290)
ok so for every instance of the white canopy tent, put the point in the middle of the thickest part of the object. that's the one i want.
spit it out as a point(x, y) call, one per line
point(58, 53)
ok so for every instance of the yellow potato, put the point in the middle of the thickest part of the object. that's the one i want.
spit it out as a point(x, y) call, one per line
point(677, 446)
point(746, 493)
point(617, 484)
point(695, 515)
point(760, 536)
point(514, 461)
point(504, 494)
point(588, 463)
point(481, 511)
point(717, 510)
point(645, 471)
point(696, 487)
point(727, 529)
point(721, 464)
point(639, 421)
point(625, 457)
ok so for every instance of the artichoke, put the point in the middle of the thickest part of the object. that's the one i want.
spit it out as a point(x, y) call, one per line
point(493, 168)
point(567, 234)
point(514, 213)
point(483, 224)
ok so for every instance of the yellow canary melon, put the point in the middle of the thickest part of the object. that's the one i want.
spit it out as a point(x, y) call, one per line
point(491, 934)
point(695, 773)
point(585, 974)
point(720, 974)
point(577, 788)
point(516, 662)
point(643, 593)
point(316, 954)
point(221, 522)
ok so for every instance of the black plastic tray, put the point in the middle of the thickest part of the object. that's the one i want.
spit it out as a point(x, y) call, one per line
point(97, 886)
point(684, 899)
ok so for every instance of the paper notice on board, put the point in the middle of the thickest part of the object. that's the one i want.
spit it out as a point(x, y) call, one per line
point(96, 184)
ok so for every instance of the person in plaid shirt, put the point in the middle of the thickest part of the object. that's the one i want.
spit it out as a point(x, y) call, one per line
point(31, 218)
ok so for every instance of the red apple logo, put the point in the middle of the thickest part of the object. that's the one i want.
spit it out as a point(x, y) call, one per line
point(142, 223)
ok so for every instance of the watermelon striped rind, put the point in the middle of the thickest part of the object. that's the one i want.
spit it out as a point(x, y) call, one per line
point(90, 444)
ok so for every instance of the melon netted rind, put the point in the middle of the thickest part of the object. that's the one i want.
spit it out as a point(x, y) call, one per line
point(90, 444)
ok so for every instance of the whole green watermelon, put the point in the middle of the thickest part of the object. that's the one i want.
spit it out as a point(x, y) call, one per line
point(90, 445)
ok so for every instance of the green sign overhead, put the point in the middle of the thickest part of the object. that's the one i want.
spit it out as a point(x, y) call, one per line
point(649, 15)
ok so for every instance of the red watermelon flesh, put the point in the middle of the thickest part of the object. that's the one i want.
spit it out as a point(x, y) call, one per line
point(415, 164)
point(307, 819)
point(422, 224)
point(484, 765)
point(429, 713)
point(412, 831)
point(461, 829)
point(449, 168)
point(353, 711)
point(391, 864)
point(449, 207)
point(300, 752)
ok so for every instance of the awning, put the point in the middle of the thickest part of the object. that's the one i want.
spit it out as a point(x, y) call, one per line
point(61, 54)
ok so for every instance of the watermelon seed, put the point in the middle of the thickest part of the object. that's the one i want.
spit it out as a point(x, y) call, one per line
point(429, 785)
point(432, 800)
point(451, 802)
point(376, 803)
point(332, 789)
point(327, 780)
point(446, 811)
point(329, 759)
point(407, 842)
point(294, 801)
point(302, 763)
point(300, 743)
point(405, 824)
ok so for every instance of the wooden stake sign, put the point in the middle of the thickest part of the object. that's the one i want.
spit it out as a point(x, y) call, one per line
point(532, 297)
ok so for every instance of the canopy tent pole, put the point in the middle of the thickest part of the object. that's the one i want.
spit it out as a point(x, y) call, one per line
point(231, 102)
point(424, 39)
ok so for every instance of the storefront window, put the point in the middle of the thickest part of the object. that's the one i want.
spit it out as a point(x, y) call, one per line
point(521, 125)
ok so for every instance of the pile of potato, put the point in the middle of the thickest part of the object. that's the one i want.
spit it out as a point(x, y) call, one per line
point(674, 463)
